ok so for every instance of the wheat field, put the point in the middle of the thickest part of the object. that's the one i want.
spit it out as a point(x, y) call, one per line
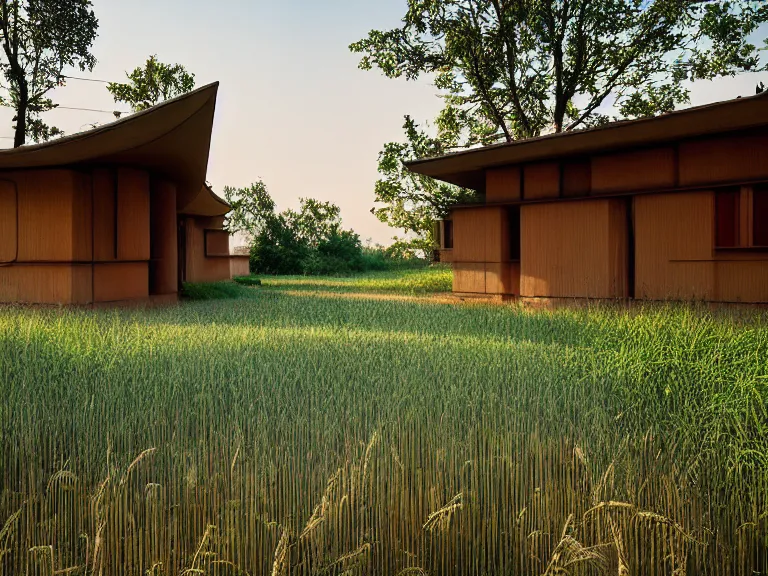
point(300, 430)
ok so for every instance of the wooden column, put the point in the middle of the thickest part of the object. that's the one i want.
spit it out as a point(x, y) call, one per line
point(163, 239)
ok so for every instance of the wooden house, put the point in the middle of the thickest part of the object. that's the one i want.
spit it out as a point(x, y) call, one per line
point(120, 213)
point(673, 207)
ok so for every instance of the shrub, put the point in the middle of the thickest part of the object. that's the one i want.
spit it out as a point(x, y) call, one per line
point(211, 291)
point(247, 280)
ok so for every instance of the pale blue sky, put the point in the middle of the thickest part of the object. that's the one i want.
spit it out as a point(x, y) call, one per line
point(293, 108)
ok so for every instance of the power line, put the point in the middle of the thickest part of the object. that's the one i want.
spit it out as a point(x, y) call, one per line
point(87, 79)
point(113, 112)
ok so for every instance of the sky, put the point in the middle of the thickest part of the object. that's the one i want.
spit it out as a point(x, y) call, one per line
point(293, 108)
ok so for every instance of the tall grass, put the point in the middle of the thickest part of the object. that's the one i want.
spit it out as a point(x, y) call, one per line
point(302, 434)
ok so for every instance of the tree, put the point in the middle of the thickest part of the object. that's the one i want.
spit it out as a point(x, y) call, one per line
point(511, 69)
point(152, 84)
point(410, 201)
point(308, 241)
point(40, 38)
point(252, 209)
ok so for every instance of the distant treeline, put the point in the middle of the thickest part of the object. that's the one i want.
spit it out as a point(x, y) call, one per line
point(310, 241)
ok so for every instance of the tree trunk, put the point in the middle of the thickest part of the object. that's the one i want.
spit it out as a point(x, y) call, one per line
point(21, 115)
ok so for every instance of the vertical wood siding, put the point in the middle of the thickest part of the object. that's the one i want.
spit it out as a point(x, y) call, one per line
point(674, 239)
point(199, 267)
point(723, 159)
point(45, 284)
point(45, 205)
point(7, 221)
point(116, 281)
point(132, 214)
point(641, 170)
point(502, 184)
point(163, 239)
point(82, 217)
point(481, 252)
point(676, 258)
point(574, 249)
point(542, 180)
point(577, 178)
point(104, 215)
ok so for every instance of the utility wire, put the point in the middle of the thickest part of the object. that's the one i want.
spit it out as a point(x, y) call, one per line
point(115, 112)
point(87, 79)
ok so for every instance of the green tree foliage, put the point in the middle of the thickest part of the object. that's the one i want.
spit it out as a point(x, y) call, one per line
point(40, 39)
point(516, 68)
point(308, 241)
point(410, 201)
point(152, 84)
point(512, 69)
point(252, 209)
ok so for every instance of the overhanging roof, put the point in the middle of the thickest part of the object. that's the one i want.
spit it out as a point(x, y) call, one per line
point(206, 203)
point(172, 139)
point(467, 168)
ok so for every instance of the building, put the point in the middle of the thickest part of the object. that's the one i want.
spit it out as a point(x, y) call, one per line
point(120, 213)
point(667, 208)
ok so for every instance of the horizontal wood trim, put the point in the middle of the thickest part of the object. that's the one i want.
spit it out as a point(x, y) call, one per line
point(615, 194)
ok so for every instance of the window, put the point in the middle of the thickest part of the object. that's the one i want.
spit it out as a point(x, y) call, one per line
point(741, 217)
point(514, 233)
point(447, 234)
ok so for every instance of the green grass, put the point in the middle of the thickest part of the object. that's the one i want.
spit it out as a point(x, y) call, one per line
point(213, 291)
point(296, 429)
point(434, 279)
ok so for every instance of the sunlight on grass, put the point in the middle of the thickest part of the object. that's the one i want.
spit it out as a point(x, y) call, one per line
point(434, 279)
point(293, 432)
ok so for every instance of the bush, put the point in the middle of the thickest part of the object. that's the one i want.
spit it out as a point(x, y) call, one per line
point(247, 280)
point(277, 249)
point(212, 291)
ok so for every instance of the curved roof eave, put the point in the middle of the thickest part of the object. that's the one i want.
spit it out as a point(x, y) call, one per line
point(172, 139)
point(206, 203)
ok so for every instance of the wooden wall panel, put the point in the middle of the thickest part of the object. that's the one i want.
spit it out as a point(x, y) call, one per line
point(541, 181)
point(82, 284)
point(45, 215)
point(164, 267)
point(502, 278)
point(577, 178)
point(45, 284)
point(216, 243)
point(567, 249)
point(7, 221)
point(133, 229)
point(200, 268)
point(469, 235)
point(116, 281)
point(480, 235)
point(723, 159)
point(469, 277)
point(82, 218)
point(104, 215)
point(674, 239)
point(502, 184)
point(239, 266)
point(641, 170)
point(742, 281)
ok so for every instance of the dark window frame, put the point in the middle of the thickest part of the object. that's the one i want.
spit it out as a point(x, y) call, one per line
point(740, 226)
point(447, 239)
